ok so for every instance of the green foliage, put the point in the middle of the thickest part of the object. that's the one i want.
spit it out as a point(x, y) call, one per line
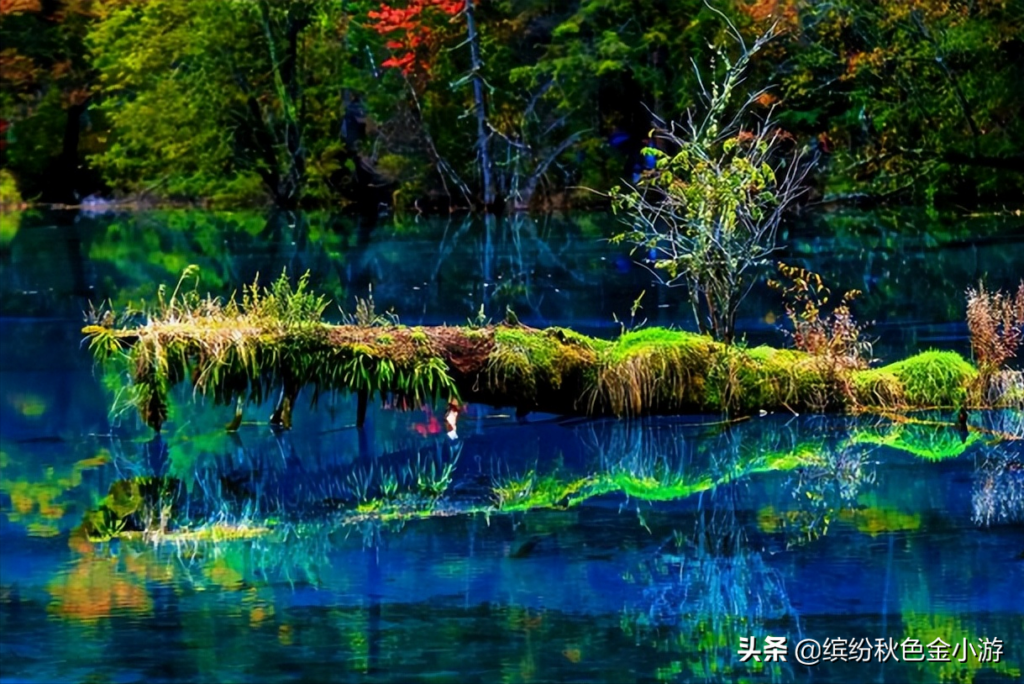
point(216, 99)
point(240, 102)
point(709, 210)
point(45, 79)
point(918, 97)
point(9, 195)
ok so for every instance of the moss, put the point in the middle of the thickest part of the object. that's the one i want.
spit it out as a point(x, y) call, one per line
point(253, 352)
point(646, 339)
point(932, 378)
point(567, 336)
point(654, 370)
point(527, 364)
point(770, 378)
point(878, 387)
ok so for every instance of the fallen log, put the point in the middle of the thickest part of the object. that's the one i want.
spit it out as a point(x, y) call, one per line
point(242, 359)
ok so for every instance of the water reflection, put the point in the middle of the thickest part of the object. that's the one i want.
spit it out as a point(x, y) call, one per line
point(545, 550)
point(998, 492)
point(683, 537)
point(552, 270)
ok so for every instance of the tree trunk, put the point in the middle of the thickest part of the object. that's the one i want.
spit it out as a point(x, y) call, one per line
point(483, 138)
point(548, 371)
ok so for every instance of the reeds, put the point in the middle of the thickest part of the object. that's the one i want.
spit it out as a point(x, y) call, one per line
point(996, 322)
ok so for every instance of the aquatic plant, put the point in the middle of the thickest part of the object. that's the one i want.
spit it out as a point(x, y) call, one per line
point(825, 488)
point(365, 313)
point(139, 504)
point(997, 495)
point(996, 323)
point(708, 588)
point(633, 323)
point(529, 491)
point(360, 483)
point(433, 474)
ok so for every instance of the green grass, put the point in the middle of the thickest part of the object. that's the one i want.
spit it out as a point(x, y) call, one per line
point(933, 378)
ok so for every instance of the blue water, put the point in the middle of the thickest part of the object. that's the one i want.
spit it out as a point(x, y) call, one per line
point(685, 536)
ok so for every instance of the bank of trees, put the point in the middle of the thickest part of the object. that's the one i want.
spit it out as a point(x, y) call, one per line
point(491, 103)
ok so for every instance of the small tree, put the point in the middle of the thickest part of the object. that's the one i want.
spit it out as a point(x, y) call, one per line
point(707, 214)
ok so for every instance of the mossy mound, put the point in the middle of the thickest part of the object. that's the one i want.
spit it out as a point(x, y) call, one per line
point(932, 378)
point(653, 371)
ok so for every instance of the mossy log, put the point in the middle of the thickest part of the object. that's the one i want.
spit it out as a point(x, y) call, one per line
point(651, 371)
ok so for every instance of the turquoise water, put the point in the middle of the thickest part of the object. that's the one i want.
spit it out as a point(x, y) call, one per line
point(652, 547)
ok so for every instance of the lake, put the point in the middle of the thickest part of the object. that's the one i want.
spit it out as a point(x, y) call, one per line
point(559, 550)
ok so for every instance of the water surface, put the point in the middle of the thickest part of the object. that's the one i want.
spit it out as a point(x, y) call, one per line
point(652, 548)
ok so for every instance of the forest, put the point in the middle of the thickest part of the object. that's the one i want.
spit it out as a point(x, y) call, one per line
point(443, 105)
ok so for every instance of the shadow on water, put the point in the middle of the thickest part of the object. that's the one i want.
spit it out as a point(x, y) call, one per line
point(544, 550)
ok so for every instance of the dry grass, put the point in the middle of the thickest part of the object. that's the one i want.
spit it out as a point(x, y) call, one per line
point(996, 323)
